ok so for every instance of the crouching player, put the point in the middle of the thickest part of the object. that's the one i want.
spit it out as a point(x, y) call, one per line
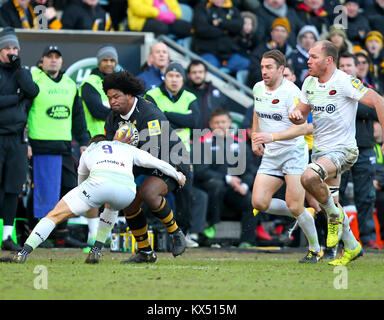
point(105, 177)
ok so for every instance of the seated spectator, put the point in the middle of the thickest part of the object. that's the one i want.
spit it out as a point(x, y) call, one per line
point(215, 24)
point(224, 188)
point(306, 37)
point(270, 10)
point(374, 46)
point(157, 63)
point(280, 31)
point(338, 36)
point(157, 16)
point(358, 24)
point(208, 96)
point(375, 14)
point(20, 14)
point(312, 12)
point(86, 15)
point(247, 41)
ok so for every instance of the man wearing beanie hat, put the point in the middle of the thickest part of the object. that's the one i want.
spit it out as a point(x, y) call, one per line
point(16, 90)
point(95, 101)
point(56, 118)
point(358, 24)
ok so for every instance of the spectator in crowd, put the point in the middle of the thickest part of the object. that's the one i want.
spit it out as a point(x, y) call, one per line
point(17, 88)
point(280, 31)
point(95, 101)
point(299, 57)
point(358, 24)
point(208, 96)
point(55, 114)
point(19, 14)
point(215, 24)
point(374, 46)
point(270, 10)
point(157, 16)
point(363, 171)
point(338, 36)
point(118, 11)
point(223, 187)
point(86, 15)
point(247, 5)
point(247, 41)
point(312, 12)
point(363, 69)
point(157, 62)
point(374, 14)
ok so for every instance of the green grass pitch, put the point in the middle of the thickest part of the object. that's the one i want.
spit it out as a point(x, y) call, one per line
point(199, 274)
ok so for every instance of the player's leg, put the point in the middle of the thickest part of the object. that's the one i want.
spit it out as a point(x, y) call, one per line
point(153, 191)
point(65, 209)
point(264, 187)
point(294, 196)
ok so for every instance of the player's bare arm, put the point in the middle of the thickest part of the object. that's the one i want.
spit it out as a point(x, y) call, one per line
point(257, 148)
point(300, 114)
point(292, 132)
point(373, 100)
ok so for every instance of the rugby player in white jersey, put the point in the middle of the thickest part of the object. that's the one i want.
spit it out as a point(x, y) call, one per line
point(105, 177)
point(332, 96)
point(285, 155)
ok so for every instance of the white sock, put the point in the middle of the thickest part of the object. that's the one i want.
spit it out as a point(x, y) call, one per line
point(40, 233)
point(347, 236)
point(279, 207)
point(106, 222)
point(93, 224)
point(330, 208)
point(307, 224)
point(7, 232)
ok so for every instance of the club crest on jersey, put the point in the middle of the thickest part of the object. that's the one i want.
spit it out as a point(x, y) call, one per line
point(332, 92)
point(275, 101)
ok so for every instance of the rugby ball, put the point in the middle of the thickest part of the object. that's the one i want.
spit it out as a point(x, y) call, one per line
point(125, 130)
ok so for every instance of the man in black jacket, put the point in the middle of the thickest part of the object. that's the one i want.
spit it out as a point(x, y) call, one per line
point(363, 171)
point(55, 114)
point(16, 88)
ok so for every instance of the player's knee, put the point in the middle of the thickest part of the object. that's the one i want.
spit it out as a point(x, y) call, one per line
point(295, 207)
point(309, 178)
point(260, 204)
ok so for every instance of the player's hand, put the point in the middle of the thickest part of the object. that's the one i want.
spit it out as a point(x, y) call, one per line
point(262, 137)
point(124, 139)
point(182, 179)
point(296, 117)
point(29, 152)
point(376, 185)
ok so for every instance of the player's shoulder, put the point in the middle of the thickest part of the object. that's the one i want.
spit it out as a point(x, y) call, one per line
point(309, 80)
point(258, 86)
point(290, 86)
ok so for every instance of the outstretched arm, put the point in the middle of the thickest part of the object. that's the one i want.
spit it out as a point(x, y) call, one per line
point(292, 132)
point(374, 100)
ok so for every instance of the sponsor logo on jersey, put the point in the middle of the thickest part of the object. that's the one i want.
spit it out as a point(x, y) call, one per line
point(309, 92)
point(275, 101)
point(332, 92)
point(274, 116)
point(356, 83)
point(330, 108)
